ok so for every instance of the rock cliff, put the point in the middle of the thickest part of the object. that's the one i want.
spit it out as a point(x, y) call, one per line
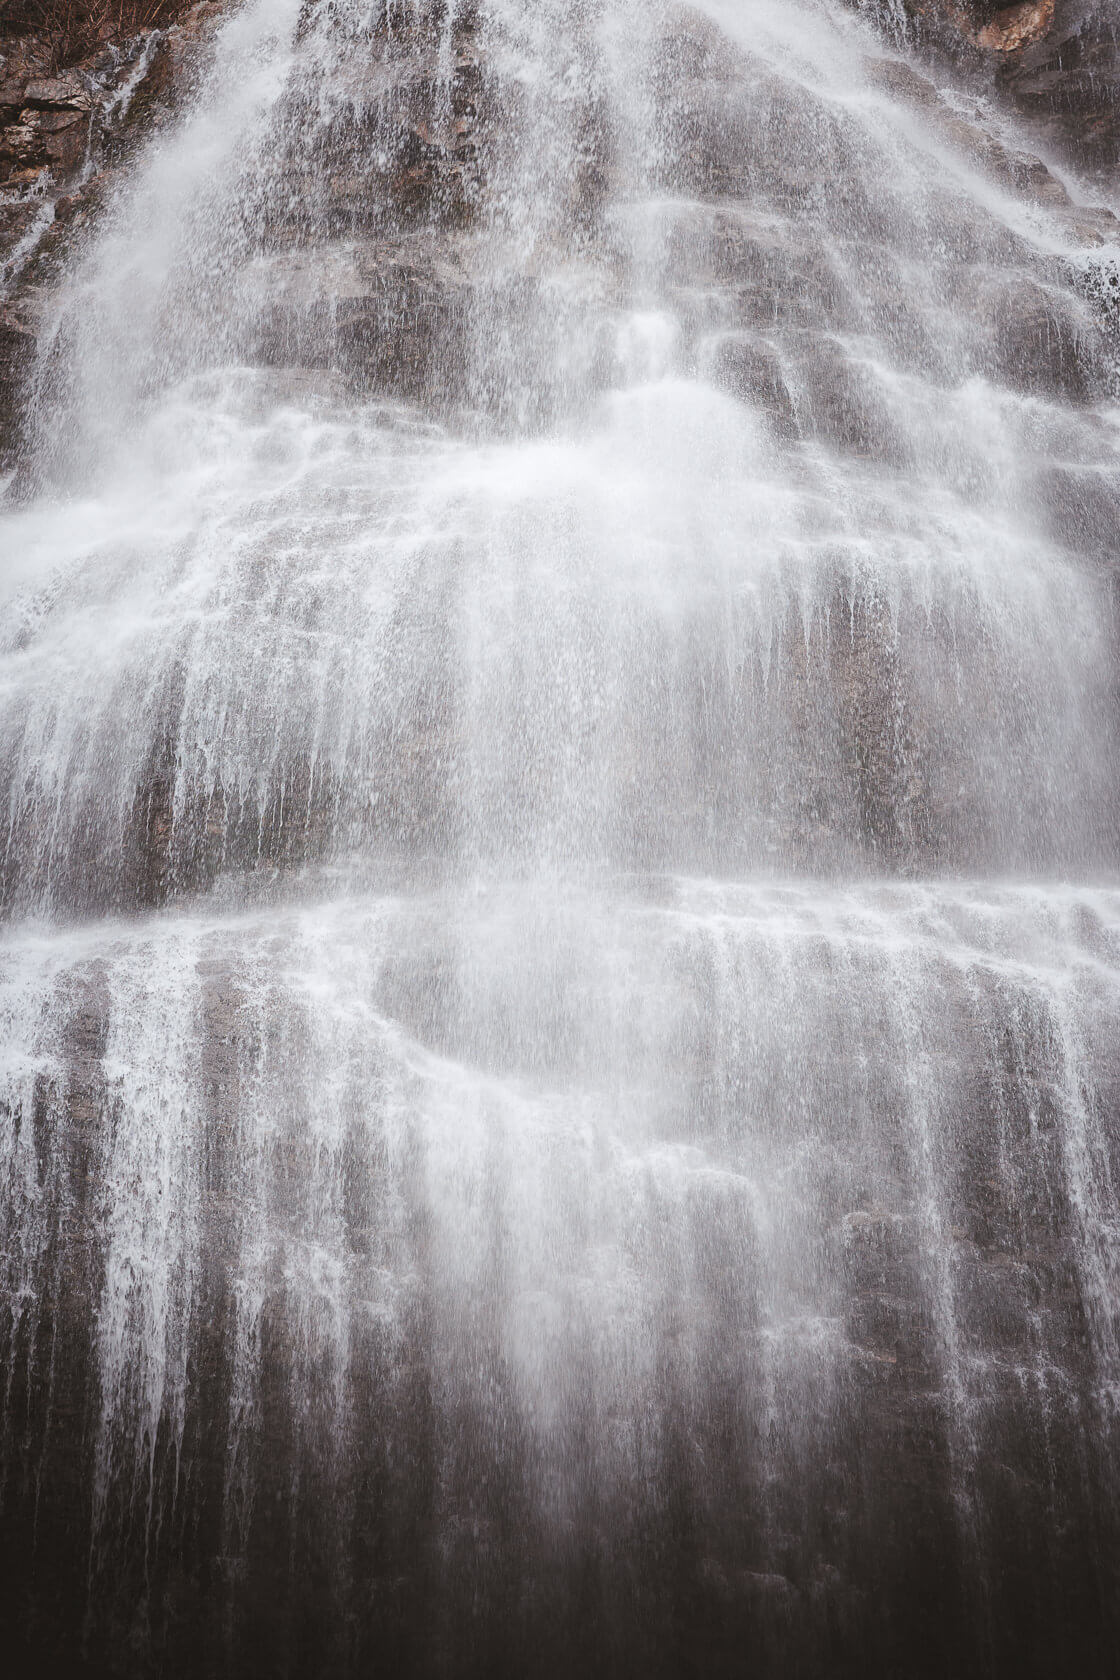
point(416, 1261)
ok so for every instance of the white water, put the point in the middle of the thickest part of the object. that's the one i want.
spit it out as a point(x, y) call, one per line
point(637, 958)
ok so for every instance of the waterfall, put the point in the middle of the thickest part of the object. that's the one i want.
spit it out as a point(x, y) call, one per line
point(560, 979)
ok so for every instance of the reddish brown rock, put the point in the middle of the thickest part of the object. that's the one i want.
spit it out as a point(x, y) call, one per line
point(1017, 26)
point(19, 142)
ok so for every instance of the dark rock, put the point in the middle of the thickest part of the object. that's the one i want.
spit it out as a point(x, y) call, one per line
point(17, 352)
point(60, 120)
point(1056, 62)
point(1042, 346)
point(66, 148)
point(751, 370)
point(11, 98)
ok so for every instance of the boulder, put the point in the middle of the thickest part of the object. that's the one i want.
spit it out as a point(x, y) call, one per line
point(1041, 346)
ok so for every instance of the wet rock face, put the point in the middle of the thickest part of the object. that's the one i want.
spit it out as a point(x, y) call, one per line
point(562, 498)
point(371, 255)
point(341, 1401)
point(127, 84)
point(17, 355)
point(399, 229)
point(70, 118)
point(50, 130)
point(1054, 62)
point(1067, 82)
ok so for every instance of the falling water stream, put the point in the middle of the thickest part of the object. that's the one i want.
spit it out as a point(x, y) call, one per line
point(560, 993)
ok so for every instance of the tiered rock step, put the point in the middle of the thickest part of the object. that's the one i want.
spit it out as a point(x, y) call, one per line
point(876, 641)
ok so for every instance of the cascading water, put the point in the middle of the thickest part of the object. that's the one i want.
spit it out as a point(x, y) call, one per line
point(562, 976)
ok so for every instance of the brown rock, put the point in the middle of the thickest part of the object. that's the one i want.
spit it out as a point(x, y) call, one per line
point(16, 217)
point(1017, 26)
point(67, 148)
point(58, 91)
point(896, 77)
point(26, 177)
point(17, 351)
point(71, 205)
point(1041, 346)
point(53, 122)
point(19, 141)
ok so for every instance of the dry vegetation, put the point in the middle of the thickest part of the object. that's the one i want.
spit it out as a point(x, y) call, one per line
point(74, 28)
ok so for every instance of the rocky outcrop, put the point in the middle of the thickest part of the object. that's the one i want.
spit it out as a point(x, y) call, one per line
point(1054, 62)
point(1014, 27)
point(1066, 81)
point(399, 247)
point(68, 125)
